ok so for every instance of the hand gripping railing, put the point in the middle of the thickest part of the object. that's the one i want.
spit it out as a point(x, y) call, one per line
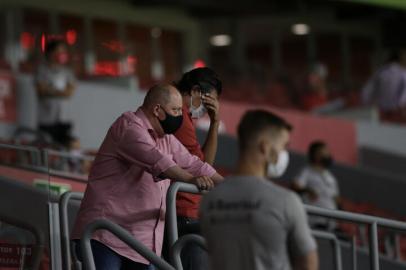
point(180, 244)
point(63, 215)
point(123, 235)
point(373, 223)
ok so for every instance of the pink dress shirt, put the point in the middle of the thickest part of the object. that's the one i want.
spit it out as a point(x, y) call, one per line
point(124, 185)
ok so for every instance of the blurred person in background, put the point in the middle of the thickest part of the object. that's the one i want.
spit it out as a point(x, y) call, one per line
point(248, 221)
point(55, 82)
point(130, 177)
point(316, 92)
point(317, 184)
point(387, 88)
point(200, 89)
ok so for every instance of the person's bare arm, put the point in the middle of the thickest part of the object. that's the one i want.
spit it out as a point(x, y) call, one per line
point(308, 262)
point(311, 193)
point(210, 145)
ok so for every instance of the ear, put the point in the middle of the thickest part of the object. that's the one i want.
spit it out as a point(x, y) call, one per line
point(155, 110)
point(263, 147)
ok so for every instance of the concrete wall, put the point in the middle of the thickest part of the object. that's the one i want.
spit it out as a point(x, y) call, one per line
point(387, 137)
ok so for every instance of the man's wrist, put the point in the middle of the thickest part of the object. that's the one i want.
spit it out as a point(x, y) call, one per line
point(215, 122)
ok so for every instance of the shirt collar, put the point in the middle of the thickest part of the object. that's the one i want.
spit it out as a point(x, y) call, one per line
point(145, 122)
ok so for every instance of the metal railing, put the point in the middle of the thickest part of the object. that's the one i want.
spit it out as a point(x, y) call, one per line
point(171, 220)
point(34, 152)
point(373, 223)
point(176, 249)
point(336, 244)
point(123, 235)
point(172, 225)
point(40, 159)
point(65, 231)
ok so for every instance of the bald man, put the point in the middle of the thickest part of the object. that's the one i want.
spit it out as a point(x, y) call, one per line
point(130, 177)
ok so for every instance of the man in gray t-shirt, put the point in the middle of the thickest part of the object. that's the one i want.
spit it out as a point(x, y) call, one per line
point(249, 222)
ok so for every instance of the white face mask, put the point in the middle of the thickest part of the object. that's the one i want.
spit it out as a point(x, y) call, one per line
point(197, 112)
point(278, 169)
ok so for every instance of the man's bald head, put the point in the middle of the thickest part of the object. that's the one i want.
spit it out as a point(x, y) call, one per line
point(161, 94)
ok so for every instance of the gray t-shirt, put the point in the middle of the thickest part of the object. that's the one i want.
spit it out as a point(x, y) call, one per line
point(49, 108)
point(323, 183)
point(251, 223)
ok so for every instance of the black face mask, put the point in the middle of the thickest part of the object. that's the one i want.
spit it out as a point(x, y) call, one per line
point(326, 162)
point(171, 123)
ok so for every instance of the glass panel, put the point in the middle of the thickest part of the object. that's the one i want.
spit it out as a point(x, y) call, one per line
point(24, 216)
point(68, 170)
point(19, 247)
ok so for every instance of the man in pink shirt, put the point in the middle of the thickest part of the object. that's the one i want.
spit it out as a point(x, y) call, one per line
point(131, 175)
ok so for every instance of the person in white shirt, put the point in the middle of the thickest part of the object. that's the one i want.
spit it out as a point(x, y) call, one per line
point(317, 184)
point(54, 83)
point(387, 87)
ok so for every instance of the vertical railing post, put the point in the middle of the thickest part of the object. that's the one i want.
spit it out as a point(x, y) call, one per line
point(373, 246)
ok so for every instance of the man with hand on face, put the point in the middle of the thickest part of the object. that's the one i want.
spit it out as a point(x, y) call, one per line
point(200, 89)
point(248, 221)
point(130, 177)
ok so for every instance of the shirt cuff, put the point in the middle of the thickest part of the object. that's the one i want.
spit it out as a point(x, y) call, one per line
point(207, 170)
point(161, 166)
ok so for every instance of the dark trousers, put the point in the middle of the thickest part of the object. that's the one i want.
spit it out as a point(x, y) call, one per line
point(106, 259)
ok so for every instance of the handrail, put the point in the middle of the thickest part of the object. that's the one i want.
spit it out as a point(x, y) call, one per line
point(40, 169)
point(39, 236)
point(19, 147)
point(64, 220)
point(337, 249)
point(180, 244)
point(175, 252)
point(35, 152)
point(123, 235)
point(353, 217)
point(68, 155)
point(373, 222)
point(171, 220)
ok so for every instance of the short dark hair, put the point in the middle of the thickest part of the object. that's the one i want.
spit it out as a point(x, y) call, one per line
point(254, 122)
point(204, 77)
point(52, 45)
point(314, 149)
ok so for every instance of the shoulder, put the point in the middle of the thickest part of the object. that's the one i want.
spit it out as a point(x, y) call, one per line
point(127, 121)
